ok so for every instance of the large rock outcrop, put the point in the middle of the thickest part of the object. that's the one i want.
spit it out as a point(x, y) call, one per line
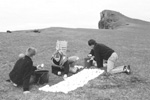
point(112, 19)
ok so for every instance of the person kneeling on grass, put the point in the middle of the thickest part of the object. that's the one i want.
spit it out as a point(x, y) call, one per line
point(23, 69)
point(102, 52)
point(62, 65)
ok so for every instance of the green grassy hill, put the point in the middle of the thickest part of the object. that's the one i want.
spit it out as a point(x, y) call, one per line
point(131, 43)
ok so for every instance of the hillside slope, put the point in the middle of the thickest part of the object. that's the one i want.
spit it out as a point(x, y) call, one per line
point(131, 43)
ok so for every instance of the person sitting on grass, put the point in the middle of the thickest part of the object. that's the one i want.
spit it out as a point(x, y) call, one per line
point(102, 52)
point(62, 65)
point(23, 69)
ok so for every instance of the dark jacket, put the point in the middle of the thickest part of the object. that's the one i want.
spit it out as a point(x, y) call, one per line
point(101, 52)
point(22, 71)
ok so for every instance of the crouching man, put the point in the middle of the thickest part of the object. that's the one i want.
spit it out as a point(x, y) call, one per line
point(101, 52)
point(62, 65)
point(23, 69)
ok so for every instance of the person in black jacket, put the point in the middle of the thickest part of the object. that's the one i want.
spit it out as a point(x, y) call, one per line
point(102, 52)
point(23, 69)
point(62, 65)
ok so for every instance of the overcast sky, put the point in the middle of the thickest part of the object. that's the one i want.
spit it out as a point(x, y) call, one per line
point(34, 14)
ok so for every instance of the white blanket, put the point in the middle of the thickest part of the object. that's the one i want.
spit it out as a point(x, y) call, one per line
point(73, 82)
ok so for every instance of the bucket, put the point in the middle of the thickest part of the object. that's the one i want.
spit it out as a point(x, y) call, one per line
point(41, 76)
point(87, 62)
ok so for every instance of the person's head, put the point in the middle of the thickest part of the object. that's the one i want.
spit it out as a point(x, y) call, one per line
point(91, 43)
point(30, 51)
point(57, 55)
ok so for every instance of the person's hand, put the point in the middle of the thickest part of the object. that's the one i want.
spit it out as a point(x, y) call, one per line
point(26, 92)
point(105, 65)
point(90, 59)
point(40, 66)
point(89, 55)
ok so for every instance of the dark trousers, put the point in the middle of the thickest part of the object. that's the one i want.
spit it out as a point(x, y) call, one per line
point(64, 69)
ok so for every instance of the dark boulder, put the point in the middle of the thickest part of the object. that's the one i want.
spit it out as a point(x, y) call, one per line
point(8, 31)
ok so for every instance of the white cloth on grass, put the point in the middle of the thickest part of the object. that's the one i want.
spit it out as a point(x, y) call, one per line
point(73, 82)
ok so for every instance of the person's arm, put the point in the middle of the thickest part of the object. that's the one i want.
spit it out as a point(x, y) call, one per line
point(27, 74)
point(91, 55)
point(92, 52)
point(98, 58)
point(26, 83)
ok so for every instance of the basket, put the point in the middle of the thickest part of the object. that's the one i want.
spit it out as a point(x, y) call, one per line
point(41, 76)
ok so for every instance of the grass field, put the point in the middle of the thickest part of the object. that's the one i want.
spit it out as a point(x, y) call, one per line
point(131, 43)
